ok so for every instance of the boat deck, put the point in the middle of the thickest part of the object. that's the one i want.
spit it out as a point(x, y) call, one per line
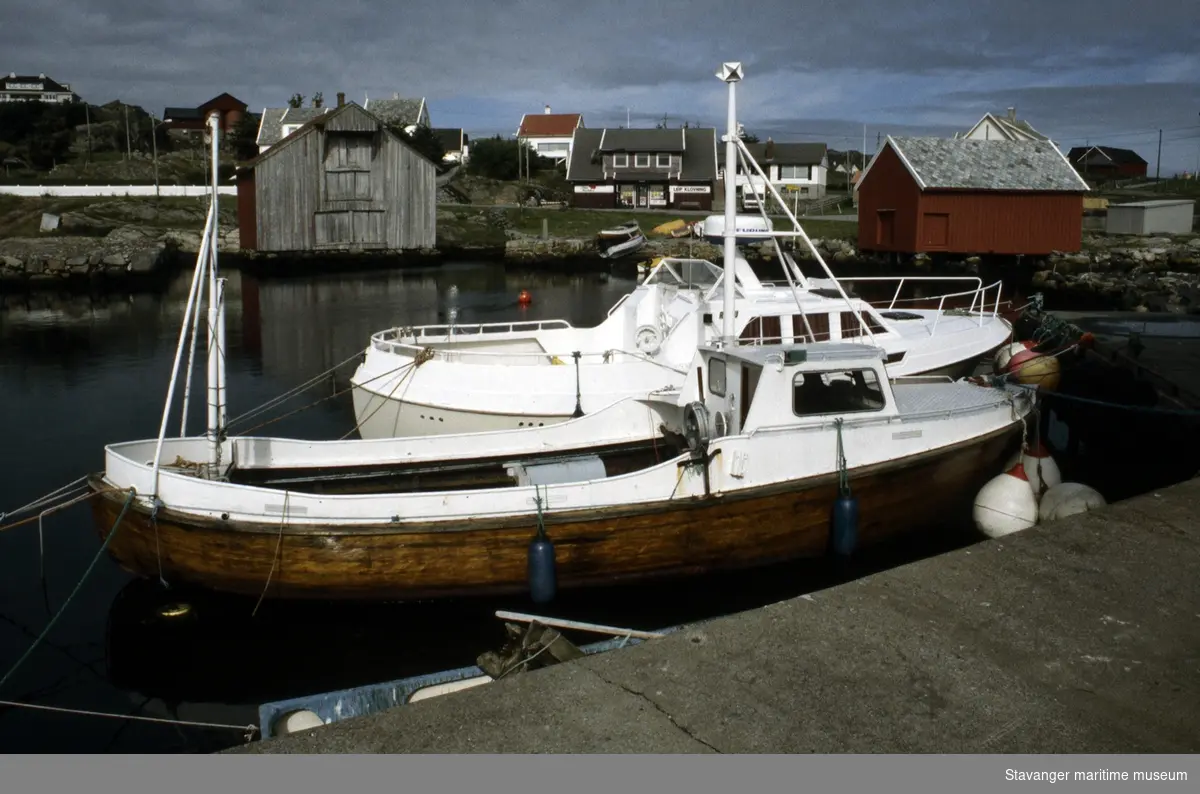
point(915, 399)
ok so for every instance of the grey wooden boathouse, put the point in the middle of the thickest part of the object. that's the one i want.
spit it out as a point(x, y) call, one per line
point(341, 182)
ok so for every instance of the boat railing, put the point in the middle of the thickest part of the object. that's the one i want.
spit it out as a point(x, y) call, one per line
point(978, 294)
point(517, 358)
point(450, 330)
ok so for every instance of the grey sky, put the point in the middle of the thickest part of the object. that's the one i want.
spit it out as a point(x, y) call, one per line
point(1101, 71)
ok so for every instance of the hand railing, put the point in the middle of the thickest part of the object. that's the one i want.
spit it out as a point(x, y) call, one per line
point(451, 330)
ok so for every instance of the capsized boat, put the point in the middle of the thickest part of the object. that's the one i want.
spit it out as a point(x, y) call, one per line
point(737, 466)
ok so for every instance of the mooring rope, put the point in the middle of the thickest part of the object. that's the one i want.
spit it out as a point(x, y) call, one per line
point(279, 400)
point(103, 547)
point(42, 500)
point(274, 557)
point(248, 729)
point(57, 508)
point(426, 354)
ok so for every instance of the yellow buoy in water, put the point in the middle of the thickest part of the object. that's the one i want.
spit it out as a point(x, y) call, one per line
point(1005, 504)
point(1035, 369)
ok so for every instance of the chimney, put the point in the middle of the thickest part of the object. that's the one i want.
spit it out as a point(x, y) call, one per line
point(1012, 114)
point(341, 98)
point(395, 95)
point(547, 110)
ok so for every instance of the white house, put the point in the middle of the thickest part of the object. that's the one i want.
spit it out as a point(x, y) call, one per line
point(275, 124)
point(18, 88)
point(792, 168)
point(457, 144)
point(1003, 128)
point(551, 135)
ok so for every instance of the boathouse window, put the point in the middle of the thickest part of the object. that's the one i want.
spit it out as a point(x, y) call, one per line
point(836, 392)
point(620, 161)
point(641, 161)
point(716, 376)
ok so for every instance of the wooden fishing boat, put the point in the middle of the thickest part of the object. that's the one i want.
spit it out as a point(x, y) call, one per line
point(738, 466)
point(620, 240)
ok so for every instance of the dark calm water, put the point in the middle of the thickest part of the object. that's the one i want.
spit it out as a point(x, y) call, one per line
point(77, 373)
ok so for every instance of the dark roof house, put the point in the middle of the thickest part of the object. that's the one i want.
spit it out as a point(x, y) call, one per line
point(650, 167)
point(1107, 161)
point(232, 111)
point(38, 87)
point(453, 140)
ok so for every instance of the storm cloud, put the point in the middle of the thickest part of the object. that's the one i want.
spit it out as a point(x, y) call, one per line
point(1077, 71)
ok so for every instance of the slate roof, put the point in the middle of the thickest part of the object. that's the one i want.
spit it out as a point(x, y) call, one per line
point(270, 128)
point(183, 114)
point(398, 111)
point(965, 164)
point(452, 140)
point(1113, 155)
point(788, 153)
point(699, 157)
point(548, 125)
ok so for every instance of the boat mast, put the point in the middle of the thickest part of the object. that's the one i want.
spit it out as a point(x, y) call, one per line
point(731, 73)
point(216, 289)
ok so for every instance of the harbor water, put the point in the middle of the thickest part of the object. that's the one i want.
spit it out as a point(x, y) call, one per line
point(78, 372)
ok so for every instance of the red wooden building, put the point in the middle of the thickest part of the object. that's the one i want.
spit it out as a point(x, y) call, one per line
point(232, 111)
point(963, 196)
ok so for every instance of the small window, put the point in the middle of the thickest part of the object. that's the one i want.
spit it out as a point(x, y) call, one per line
point(793, 172)
point(716, 376)
point(850, 326)
point(819, 323)
point(641, 161)
point(836, 392)
point(664, 161)
point(620, 161)
point(873, 323)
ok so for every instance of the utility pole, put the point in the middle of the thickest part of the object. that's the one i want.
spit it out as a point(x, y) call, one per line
point(864, 149)
point(1158, 164)
point(128, 142)
point(87, 115)
point(877, 141)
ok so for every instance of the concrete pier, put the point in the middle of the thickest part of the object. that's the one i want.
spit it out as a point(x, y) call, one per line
point(1079, 636)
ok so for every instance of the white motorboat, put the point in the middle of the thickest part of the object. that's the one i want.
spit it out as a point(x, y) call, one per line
point(467, 378)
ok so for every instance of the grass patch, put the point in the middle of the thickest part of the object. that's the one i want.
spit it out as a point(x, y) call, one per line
point(21, 216)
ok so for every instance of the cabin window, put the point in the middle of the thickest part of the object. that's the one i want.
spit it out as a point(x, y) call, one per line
point(872, 323)
point(641, 161)
point(851, 327)
point(836, 392)
point(793, 172)
point(664, 161)
point(819, 323)
point(620, 161)
point(716, 376)
point(762, 331)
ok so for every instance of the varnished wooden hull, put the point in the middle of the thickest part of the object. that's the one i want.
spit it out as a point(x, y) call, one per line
point(763, 526)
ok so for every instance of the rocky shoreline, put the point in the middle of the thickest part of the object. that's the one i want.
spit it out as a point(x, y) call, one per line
point(1153, 274)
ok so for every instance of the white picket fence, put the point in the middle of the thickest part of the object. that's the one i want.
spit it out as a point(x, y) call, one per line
point(66, 191)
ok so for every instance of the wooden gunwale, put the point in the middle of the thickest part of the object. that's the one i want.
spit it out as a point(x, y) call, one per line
point(487, 556)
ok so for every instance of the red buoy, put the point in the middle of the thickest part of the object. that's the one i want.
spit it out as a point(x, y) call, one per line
point(524, 297)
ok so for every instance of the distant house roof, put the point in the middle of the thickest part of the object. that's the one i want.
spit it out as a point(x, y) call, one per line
point(549, 125)
point(270, 127)
point(452, 140)
point(12, 82)
point(183, 114)
point(222, 100)
point(319, 118)
point(397, 110)
point(967, 164)
point(643, 140)
point(787, 153)
point(1010, 127)
point(698, 145)
point(1116, 156)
